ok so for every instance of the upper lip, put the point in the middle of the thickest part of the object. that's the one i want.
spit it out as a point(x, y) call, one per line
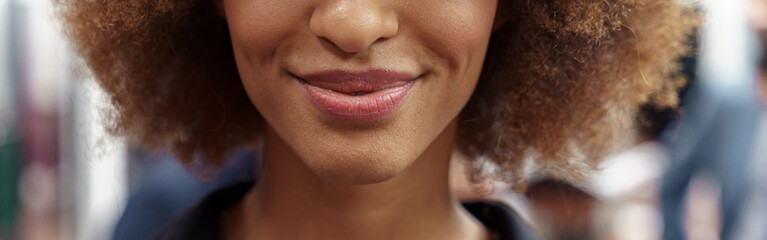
point(358, 82)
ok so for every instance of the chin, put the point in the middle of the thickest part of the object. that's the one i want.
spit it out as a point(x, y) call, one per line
point(358, 168)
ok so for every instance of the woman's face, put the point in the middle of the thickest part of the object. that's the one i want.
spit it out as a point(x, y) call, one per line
point(358, 89)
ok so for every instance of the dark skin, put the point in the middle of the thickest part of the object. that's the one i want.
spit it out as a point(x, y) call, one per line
point(290, 202)
point(334, 178)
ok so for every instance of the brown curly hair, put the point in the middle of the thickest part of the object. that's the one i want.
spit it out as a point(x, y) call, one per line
point(561, 83)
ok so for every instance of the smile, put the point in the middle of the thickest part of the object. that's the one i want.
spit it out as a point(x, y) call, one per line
point(357, 96)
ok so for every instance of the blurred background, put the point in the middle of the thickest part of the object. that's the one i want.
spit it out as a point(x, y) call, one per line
point(696, 173)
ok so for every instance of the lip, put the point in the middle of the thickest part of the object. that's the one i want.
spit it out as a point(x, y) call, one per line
point(357, 95)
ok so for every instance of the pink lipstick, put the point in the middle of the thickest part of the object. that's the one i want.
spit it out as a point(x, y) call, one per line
point(357, 96)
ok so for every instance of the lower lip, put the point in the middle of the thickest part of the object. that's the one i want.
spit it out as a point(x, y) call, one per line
point(371, 106)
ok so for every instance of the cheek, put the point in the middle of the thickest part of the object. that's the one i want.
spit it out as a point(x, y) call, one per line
point(455, 30)
point(258, 27)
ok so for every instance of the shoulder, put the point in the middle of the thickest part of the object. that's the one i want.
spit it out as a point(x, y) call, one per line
point(203, 220)
point(501, 220)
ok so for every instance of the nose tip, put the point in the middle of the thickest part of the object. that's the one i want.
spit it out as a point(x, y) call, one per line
point(353, 26)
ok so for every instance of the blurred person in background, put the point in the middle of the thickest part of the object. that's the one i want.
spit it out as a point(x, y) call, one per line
point(620, 200)
point(715, 131)
point(758, 20)
point(756, 216)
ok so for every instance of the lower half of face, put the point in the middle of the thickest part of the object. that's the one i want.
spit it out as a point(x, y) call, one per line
point(359, 89)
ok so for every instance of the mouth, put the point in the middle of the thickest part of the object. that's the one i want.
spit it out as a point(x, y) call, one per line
point(357, 96)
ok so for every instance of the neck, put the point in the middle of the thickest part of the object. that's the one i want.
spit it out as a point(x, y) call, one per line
point(290, 202)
